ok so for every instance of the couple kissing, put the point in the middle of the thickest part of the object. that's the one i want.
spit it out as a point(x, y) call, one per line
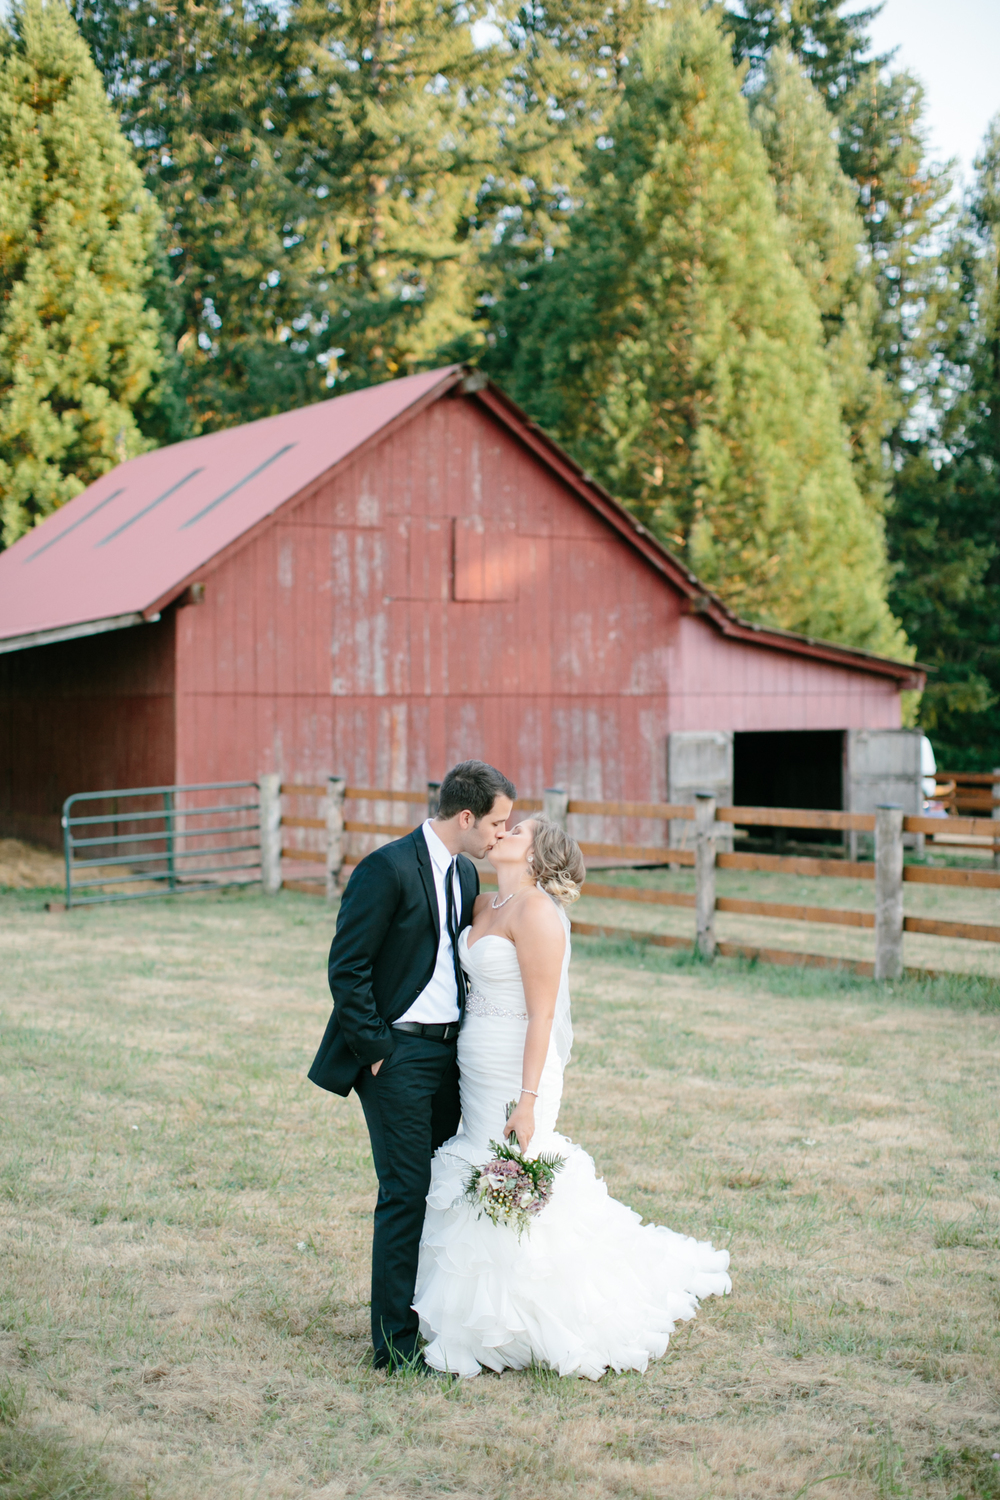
point(452, 1022)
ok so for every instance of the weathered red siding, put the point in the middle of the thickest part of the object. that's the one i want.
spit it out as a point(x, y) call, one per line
point(80, 716)
point(348, 636)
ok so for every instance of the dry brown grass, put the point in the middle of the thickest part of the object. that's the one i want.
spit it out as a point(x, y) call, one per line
point(26, 867)
point(186, 1227)
point(32, 867)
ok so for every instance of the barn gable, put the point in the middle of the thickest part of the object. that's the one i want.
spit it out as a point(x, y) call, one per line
point(445, 574)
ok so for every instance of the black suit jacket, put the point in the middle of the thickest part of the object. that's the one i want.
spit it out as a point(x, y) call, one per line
point(383, 955)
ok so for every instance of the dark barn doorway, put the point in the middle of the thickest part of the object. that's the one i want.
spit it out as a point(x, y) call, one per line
point(790, 768)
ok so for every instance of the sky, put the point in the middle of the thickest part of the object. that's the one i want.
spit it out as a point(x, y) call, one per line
point(953, 47)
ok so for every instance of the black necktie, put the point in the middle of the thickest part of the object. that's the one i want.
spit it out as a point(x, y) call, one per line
point(452, 924)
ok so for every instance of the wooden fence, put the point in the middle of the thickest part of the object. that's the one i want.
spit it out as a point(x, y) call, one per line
point(322, 866)
point(975, 793)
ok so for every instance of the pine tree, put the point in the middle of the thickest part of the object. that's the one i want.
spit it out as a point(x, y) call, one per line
point(945, 522)
point(908, 214)
point(818, 205)
point(556, 76)
point(832, 48)
point(320, 169)
point(674, 347)
point(213, 98)
point(904, 201)
point(80, 348)
point(403, 136)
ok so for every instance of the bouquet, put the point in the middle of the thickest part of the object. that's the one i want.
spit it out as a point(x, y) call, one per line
point(510, 1188)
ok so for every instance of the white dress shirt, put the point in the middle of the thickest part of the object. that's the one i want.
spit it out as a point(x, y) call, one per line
point(437, 1003)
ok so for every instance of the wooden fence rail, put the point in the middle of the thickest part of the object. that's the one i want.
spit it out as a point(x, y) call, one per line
point(332, 859)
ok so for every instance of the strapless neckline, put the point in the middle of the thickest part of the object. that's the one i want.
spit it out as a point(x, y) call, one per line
point(469, 946)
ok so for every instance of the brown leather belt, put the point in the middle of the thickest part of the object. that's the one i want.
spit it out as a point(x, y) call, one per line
point(435, 1030)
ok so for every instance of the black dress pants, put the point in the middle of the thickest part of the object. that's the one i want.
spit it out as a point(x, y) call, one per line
point(411, 1106)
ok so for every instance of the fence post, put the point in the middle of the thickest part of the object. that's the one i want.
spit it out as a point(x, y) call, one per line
point(554, 805)
point(68, 851)
point(336, 787)
point(433, 798)
point(996, 814)
point(168, 823)
point(704, 874)
point(888, 891)
point(269, 789)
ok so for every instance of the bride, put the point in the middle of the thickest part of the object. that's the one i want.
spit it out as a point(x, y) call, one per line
point(588, 1287)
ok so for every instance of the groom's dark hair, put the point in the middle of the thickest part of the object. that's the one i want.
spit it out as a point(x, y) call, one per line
point(475, 786)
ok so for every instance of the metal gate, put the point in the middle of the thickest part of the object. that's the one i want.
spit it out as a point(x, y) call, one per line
point(157, 836)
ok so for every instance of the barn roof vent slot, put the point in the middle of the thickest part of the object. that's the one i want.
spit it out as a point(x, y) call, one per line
point(147, 508)
point(238, 485)
point(74, 524)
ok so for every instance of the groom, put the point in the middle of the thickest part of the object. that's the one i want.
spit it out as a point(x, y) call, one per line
point(398, 1001)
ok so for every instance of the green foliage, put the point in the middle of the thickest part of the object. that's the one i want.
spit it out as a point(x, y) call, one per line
point(675, 349)
point(318, 172)
point(909, 222)
point(818, 206)
point(402, 137)
point(832, 47)
point(213, 101)
point(80, 346)
point(556, 75)
point(929, 344)
point(945, 523)
point(903, 200)
point(665, 272)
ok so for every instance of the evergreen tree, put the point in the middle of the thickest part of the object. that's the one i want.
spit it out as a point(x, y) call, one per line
point(945, 522)
point(212, 97)
point(905, 204)
point(674, 347)
point(903, 200)
point(832, 48)
point(319, 170)
point(825, 236)
point(80, 348)
point(557, 74)
point(403, 136)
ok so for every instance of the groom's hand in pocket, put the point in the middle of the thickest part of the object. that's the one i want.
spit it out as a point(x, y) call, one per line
point(376, 1066)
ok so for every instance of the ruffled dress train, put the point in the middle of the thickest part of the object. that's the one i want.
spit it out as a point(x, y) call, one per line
point(588, 1287)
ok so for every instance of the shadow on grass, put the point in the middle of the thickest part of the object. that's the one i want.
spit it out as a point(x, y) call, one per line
point(968, 992)
point(44, 1465)
point(976, 1470)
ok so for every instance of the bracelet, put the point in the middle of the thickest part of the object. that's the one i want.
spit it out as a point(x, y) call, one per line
point(532, 1092)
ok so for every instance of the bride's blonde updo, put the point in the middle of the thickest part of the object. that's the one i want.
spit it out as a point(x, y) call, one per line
point(556, 862)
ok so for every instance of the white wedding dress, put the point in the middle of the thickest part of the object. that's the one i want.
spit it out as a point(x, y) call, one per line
point(588, 1287)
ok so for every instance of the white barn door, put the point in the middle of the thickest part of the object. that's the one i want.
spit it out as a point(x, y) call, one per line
point(882, 765)
point(699, 761)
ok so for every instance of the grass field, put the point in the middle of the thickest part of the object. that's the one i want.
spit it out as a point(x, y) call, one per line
point(186, 1224)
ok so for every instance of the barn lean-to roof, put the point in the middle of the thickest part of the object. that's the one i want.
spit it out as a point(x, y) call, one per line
point(120, 552)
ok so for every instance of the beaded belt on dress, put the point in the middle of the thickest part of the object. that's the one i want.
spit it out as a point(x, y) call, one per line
point(478, 1005)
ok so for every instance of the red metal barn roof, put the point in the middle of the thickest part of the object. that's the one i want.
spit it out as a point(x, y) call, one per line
point(123, 549)
point(132, 540)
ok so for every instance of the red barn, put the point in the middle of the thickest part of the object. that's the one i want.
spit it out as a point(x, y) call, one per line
point(382, 584)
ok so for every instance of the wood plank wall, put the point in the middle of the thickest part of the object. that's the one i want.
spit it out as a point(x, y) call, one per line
point(335, 641)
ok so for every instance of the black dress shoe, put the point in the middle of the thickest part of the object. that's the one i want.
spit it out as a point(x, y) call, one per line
point(418, 1366)
point(398, 1363)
